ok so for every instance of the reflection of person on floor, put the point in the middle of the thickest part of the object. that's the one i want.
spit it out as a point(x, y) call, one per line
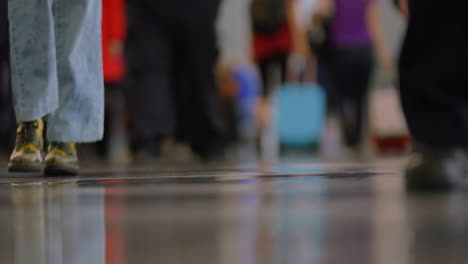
point(355, 35)
point(56, 66)
point(113, 36)
point(434, 91)
point(172, 52)
point(57, 223)
point(6, 108)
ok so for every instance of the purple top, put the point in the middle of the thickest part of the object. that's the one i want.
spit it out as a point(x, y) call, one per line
point(349, 25)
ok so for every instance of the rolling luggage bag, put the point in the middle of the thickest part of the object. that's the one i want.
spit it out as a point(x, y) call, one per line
point(300, 110)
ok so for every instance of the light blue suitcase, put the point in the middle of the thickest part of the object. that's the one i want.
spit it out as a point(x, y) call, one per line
point(300, 111)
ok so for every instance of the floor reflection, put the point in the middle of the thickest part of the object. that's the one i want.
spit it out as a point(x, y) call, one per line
point(267, 219)
point(57, 223)
point(267, 223)
point(439, 228)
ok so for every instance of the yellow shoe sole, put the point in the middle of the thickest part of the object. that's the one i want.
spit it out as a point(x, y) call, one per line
point(25, 167)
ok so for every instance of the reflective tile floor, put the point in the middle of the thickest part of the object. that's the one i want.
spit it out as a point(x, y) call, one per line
point(293, 212)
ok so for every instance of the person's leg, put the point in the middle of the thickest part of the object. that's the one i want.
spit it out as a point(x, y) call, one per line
point(340, 79)
point(7, 117)
point(114, 144)
point(434, 91)
point(273, 72)
point(351, 72)
point(102, 146)
point(180, 86)
point(282, 64)
point(359, 74)
point(434, 79)
point(3, 28)
point(261, 106)
point(149, 62)
point(33, 77)
point(205, 125)
point(264, 67)
point(33, 59)
point(80, 115)
point(324, 80)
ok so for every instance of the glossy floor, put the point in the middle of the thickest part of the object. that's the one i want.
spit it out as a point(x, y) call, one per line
point(294, 212)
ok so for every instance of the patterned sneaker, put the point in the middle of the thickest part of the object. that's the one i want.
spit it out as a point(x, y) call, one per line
point(61, 160)
point(27, 155)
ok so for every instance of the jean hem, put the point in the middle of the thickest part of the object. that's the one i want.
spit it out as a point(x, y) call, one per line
point(33, 115)
point(61, 135)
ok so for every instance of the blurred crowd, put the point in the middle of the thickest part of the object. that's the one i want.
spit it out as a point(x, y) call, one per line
point(168, 81)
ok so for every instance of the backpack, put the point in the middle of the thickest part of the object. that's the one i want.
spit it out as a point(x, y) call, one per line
point(268, 15)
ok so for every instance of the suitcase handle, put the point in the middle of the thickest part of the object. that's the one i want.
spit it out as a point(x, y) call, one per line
point(297, 68)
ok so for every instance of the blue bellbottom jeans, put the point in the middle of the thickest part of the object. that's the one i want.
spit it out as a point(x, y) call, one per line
point(56, 65)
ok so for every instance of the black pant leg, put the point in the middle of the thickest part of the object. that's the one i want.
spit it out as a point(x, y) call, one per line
point(264, 69)
point(202, 118)
point(351, 74)
point(266, 66)
point(7, 117)
point(148, 86)
point(3, 27)
point(433, 72)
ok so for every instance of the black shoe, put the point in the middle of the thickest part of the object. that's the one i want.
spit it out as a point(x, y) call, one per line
point(146, 151)
point(61, 160)
point(435, 169)
point(27, 155)
point(209, 152)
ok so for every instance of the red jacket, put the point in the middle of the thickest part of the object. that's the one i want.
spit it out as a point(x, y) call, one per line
point(113, 29)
